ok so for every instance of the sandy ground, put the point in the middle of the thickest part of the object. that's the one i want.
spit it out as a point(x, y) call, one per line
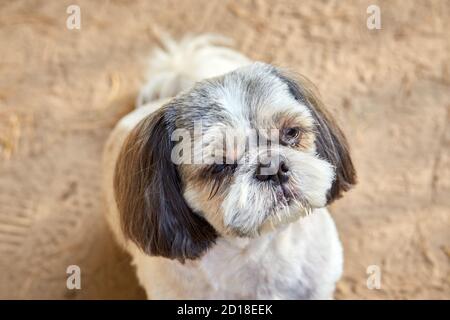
point(62, 91)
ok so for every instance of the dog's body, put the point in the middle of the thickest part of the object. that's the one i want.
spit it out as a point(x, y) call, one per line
point(301, 259)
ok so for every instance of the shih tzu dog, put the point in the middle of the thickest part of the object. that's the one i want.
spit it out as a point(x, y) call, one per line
point(217, 184)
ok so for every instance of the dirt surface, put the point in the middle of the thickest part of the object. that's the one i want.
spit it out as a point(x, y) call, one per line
point(62, 91)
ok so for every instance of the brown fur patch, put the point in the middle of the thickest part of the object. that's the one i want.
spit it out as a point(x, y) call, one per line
point(148, 193)
point(330, 141)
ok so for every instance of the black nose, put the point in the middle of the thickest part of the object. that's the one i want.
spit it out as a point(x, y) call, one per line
point(266, 172)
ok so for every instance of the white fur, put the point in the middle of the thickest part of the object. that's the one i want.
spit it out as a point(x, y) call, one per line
point(178, 65)
point(302, 259)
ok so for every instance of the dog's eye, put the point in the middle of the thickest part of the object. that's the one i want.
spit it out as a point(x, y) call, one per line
point(220, 168)
point(218, 173)
point(291, 135)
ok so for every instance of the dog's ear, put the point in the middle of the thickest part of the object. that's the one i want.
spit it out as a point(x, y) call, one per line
point(148, 192)
point(331, 144)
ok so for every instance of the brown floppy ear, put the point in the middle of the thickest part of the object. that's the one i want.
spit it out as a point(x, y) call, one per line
point(148, 192)
point(331, 144)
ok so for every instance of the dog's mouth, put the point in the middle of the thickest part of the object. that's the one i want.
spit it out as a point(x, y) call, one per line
point(286, 205)
point(288, 200)
point(285, 196)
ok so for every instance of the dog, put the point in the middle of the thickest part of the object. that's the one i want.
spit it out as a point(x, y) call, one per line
point(242, 220)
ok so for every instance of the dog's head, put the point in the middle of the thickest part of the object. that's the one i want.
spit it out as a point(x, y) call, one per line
point(236, 155)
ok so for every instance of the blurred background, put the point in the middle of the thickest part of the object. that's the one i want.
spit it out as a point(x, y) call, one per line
point(62, 91)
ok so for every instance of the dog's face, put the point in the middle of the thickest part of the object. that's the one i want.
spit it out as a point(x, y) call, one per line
point(236, 155)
